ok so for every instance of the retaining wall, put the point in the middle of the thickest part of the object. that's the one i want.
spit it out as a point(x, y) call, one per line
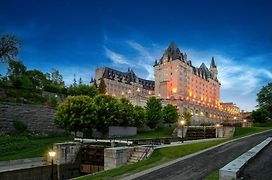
point(38, 118)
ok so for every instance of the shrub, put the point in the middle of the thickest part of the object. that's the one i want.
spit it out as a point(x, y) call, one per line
point(19, 126)
point(53, 101)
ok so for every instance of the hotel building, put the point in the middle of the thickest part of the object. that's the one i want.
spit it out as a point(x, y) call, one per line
point(125, 84)
point(177, 81)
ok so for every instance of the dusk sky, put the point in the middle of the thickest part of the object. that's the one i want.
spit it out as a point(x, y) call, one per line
point(76, 36)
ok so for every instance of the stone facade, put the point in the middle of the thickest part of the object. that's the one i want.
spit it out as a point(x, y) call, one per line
point(38, 118)
point(66, 152)
point(190, 88)
point(125, 84)
point(177, 82)
point(116, 157)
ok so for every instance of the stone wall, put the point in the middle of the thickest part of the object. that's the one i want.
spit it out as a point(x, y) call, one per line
point(116, 157)
point(66, 152)
point(38, 118)
point(61, 172)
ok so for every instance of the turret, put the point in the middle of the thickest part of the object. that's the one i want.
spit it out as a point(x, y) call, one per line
point(213, 69)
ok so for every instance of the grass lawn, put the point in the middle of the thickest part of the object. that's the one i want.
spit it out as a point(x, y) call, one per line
point(27, 146)
point(239, 132)
point(158, 133)
point(213, 176)
point(164, 155)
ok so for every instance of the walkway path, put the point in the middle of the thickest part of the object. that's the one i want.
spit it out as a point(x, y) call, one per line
point(201, 165)
point(21, 164)
point(260, 166)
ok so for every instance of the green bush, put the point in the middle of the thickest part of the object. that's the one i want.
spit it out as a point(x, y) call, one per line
point(19, 126)
point(53, 101)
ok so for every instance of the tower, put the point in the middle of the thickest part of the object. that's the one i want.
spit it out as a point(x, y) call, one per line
point(213, 69)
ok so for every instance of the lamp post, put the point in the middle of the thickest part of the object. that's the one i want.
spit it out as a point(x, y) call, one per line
point(216, 129)
point(245, 123)
point(52, 154)
point(182, 122)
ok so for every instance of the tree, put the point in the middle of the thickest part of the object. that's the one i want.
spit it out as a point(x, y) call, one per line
point(56, 77)
point(102, 87)
point(76, 113)
point(37, 78)
point(107, 112)
point(264, 98)
point(80, 81)
point(9, 48)
point(153, 112)
point(260, 115)
point(74, 81)
point(16, 68)
point(170, 114)
point(82, 90)
point(126, 113)
point(139, 116)
point(17, 75)
point(187, 117)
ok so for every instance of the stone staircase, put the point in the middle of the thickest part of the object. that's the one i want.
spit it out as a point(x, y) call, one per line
point(138, 154)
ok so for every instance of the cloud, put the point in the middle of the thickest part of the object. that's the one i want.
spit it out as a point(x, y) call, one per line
point(233, 75)
point(240, 81)
point(146, 56)
point(116, 58)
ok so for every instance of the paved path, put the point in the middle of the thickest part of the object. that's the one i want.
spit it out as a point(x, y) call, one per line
point(21, 164)
point(260, 168)
point(200, 166)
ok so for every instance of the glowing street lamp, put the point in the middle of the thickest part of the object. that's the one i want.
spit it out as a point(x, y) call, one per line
point(216, 128)
point(52, 155)
point(182, 123)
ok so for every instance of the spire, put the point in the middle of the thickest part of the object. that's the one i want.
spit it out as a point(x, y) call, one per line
point(213, 63)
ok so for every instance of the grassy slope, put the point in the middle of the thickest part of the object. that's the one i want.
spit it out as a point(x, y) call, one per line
point(27, 146)
point(158, 133)
point(163, 155)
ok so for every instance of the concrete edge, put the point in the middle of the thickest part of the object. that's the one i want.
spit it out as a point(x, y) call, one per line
point(226, 173)
point(136, 175)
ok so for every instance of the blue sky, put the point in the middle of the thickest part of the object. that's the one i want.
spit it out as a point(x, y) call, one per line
point(77, 36)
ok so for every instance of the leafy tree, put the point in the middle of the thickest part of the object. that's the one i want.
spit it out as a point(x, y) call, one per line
point(56, 77)
point(22, 82)
point(126, 113)
point(18, 76)
point(9, 48)
point(264, 98)
point(107, 112)
point(139, 116)
point(102, 87)
point(76, 113)
point(37, 78)
point(260, 115)
point(16, 68)
point(153, 112)
point(82, 90)
point(170, 114)
point(187, 117)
